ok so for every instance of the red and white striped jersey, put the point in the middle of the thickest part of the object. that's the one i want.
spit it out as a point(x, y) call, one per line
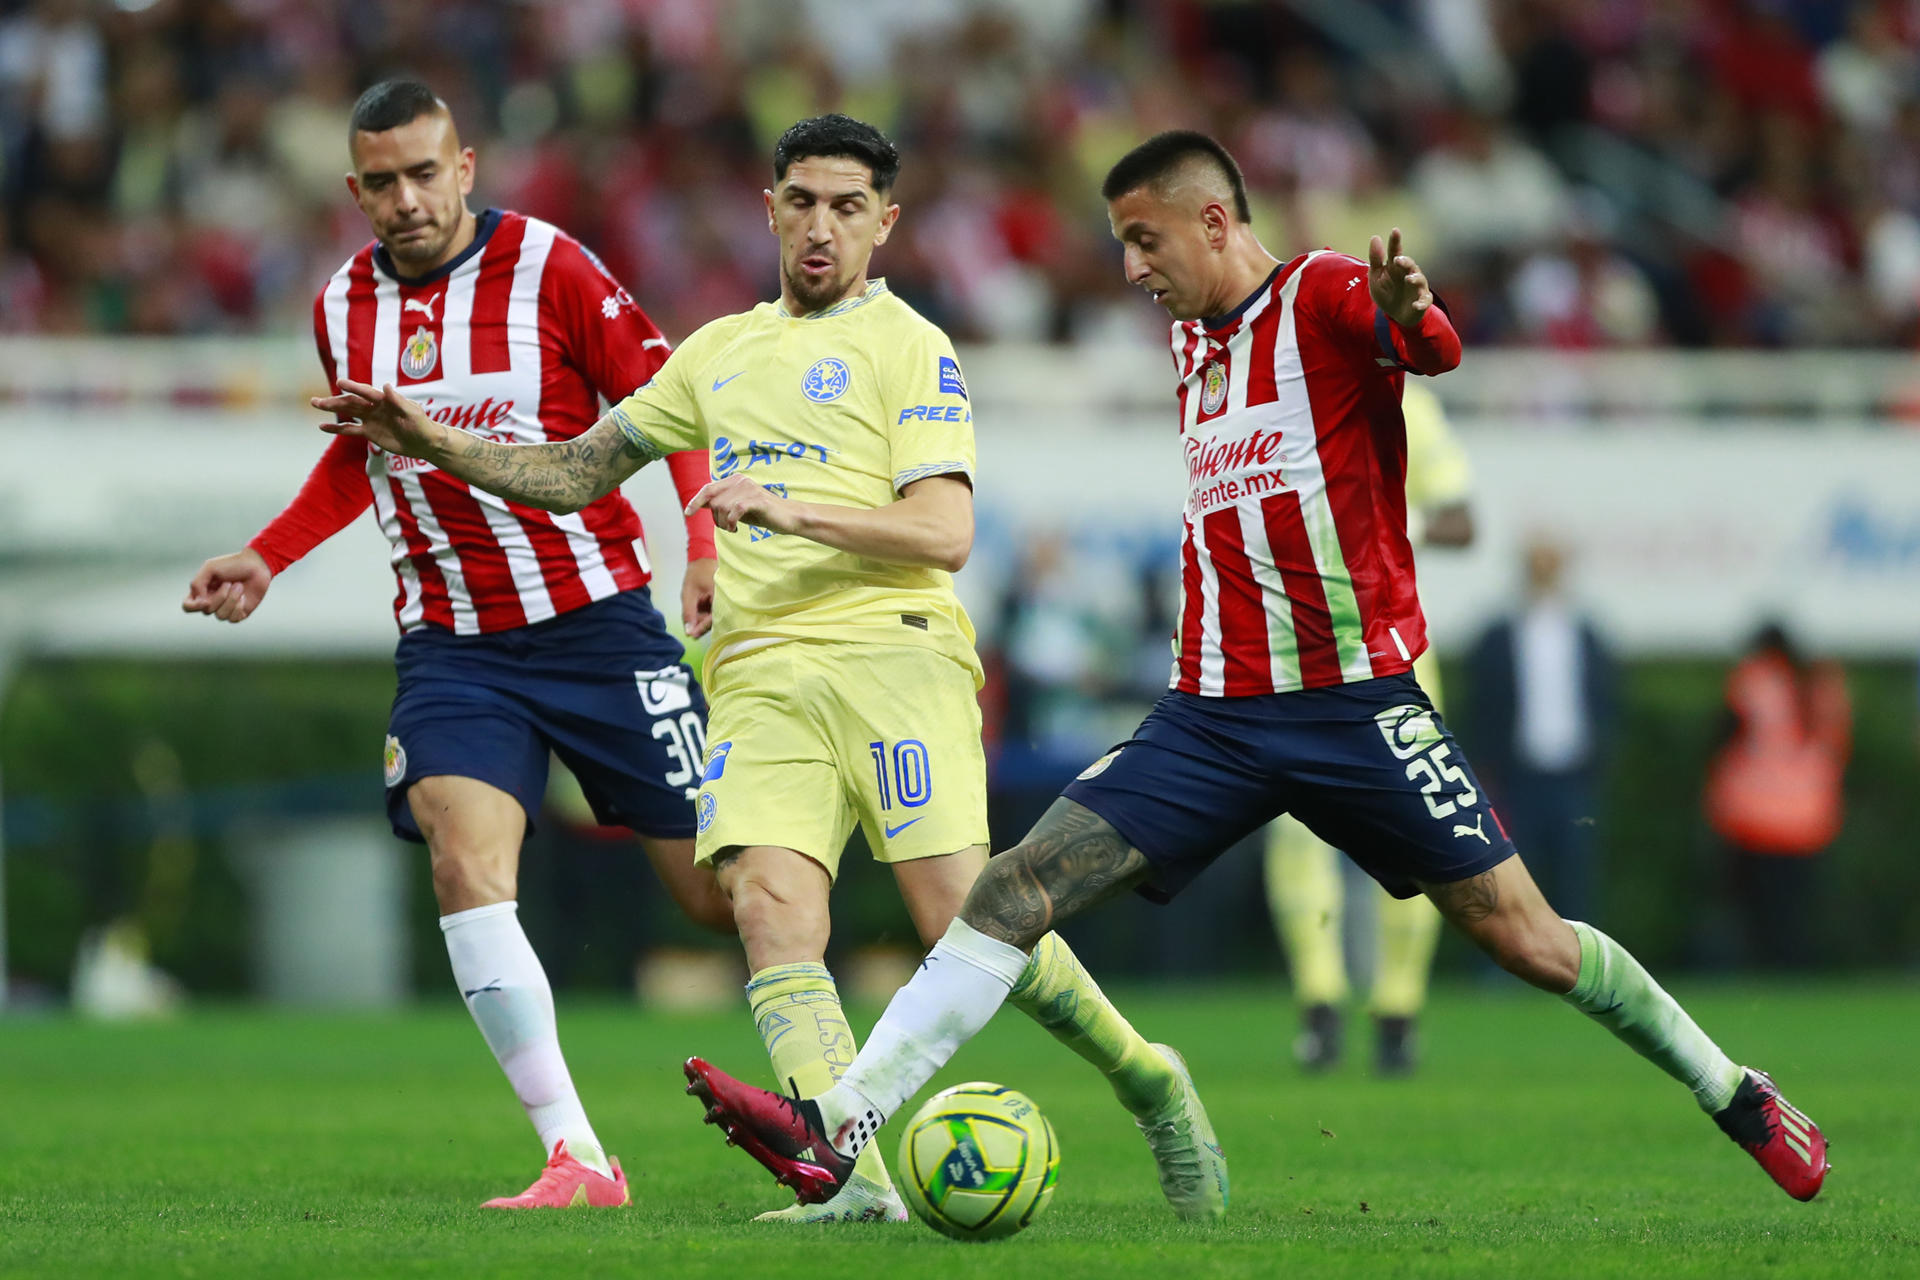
point(1296, 572)
point(516, 340)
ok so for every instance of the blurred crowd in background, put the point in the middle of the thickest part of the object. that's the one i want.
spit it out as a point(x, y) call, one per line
point(1574, 173)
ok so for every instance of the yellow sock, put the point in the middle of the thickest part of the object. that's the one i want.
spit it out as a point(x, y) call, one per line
point(1057, 993)
point(797, 1010)
point(1409, 930)
point(1304, 892)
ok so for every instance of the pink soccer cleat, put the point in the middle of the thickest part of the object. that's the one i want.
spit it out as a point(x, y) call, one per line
point(785, 1135)
point(1788, 1145)
point(567, 1184)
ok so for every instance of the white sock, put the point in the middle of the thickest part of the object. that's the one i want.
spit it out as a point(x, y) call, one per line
point(956, 990)
point(506, 991)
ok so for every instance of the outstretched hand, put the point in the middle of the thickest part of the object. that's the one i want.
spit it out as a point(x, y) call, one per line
point(382, 417)
point(737, 500)
point(229, 587)
point(1396, 282)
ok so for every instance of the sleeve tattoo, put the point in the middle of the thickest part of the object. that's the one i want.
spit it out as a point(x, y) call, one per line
point(1071, 860)
point(564, 476)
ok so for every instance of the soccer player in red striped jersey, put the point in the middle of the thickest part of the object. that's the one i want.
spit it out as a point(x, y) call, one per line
point(522, 632)
point(1291, 689)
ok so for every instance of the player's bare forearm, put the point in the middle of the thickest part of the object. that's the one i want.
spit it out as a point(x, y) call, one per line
point(1071, 860)
point(930, 526)
point(564, 476)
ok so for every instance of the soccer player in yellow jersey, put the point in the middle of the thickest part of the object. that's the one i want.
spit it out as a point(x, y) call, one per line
point(1304, 886)
point(841, 672)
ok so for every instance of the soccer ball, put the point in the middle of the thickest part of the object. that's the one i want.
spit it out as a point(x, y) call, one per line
point(978, 1161)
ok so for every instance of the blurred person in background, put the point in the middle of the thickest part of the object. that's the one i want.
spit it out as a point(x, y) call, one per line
point(55, 125)
point(1305, 886)
point(1543, 709)
point(1774, 794)
point(522, 632)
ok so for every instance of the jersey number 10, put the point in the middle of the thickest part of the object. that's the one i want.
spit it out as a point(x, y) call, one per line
point(910, 780)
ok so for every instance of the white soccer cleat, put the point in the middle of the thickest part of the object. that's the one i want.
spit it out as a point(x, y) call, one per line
point(861, 1200)
point(1186, 1155)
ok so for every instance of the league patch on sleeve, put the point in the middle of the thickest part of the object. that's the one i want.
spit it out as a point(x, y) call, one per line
point(951, 383)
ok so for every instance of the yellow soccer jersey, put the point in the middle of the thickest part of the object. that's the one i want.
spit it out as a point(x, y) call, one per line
point(848, 407)
point(1438, 474)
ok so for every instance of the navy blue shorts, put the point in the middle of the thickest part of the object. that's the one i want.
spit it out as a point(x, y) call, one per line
point(1368, 767)
point(602, 687)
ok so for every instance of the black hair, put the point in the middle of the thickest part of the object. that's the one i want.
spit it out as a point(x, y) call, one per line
point(1773, 637)
point(838, 135)
point(1157, 157)
point(392, 103)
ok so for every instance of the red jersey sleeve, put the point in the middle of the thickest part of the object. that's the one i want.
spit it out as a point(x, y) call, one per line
point(618, 347)
point(608, 337)
point(690, 475)
point(335, 493)
point(1333, 292)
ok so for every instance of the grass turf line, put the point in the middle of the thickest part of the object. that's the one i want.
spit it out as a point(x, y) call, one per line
point(248, 1143)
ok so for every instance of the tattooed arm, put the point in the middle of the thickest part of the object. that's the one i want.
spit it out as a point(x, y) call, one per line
point(1071, 860)
point(554, 477)
point(563, 477)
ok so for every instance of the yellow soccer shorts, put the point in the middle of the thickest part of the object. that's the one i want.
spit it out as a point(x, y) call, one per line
point(807, 738)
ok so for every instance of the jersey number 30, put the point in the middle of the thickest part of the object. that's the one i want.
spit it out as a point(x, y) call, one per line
point(685, 739)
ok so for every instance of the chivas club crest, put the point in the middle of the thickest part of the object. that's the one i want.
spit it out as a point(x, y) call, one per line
point(1213, 388)
point(421, 354)
point(395, 761)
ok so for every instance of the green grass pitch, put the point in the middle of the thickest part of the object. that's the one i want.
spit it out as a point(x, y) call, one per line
point(241, 1143)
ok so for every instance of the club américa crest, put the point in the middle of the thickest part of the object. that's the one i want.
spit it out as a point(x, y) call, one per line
point(825, 381)
point(421, 353)
point(1213, 388)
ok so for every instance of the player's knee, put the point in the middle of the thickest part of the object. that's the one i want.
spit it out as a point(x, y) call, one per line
point(765, 909)
point(1001, 903)
point(466, 874)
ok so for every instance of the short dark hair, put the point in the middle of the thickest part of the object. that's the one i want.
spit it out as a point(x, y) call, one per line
point(838, 135)
point(1161, 154)
point(392, 103)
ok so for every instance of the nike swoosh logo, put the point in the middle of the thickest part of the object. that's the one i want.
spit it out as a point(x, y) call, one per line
point(491, 986)
point(721, 382)
point(894, 831)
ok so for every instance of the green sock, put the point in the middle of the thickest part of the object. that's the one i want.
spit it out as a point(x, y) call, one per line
point(1621, 996)
point(1056, 992)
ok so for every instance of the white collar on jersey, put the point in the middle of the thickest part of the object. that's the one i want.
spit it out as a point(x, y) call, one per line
point(875, 287)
